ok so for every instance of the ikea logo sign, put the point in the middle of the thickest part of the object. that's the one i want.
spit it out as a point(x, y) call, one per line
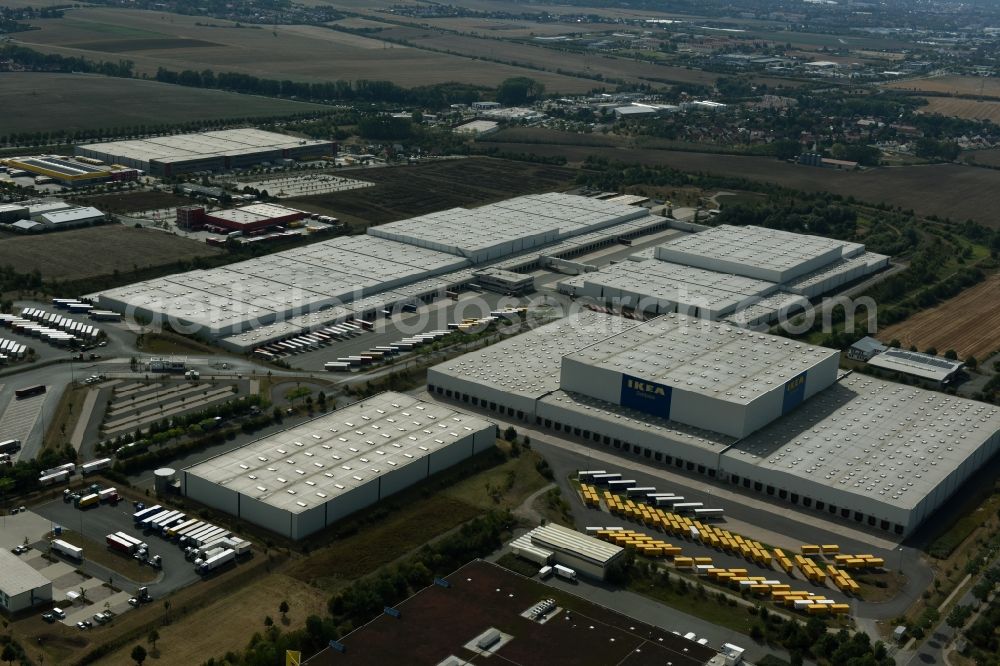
point(645, 387)
point(645, 396)
point(795, 392)
point(795, 383)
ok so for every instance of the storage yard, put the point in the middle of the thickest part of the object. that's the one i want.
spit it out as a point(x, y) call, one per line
point(208, 151)
point(303, 186)
point(336, 464)
point(792, 431)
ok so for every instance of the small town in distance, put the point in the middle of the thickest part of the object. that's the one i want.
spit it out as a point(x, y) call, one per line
point(613, 334)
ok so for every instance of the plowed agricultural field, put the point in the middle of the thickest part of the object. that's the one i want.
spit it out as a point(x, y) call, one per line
point(296, 52)
point(952, 85)
point(968, 323)
point(971, 109)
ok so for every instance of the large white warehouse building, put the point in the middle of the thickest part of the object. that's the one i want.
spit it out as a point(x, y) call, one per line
point(246, 304)
point(758, 411)
point(744, 274)
point(301, 480)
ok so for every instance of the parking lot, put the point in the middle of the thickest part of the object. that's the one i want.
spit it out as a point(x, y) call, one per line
point(433, 317)
point(79, 592)
point(97, 522)
point(19, 418)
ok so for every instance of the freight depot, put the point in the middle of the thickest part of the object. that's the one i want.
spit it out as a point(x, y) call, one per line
point(760, 412)
point(303, 479)
point(329, 282)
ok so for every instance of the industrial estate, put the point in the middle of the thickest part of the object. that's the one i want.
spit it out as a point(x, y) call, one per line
point(441, 335)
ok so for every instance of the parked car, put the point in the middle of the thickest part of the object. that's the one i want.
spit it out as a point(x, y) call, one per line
point(49, 617)
point(59, 613)
point(133, 602)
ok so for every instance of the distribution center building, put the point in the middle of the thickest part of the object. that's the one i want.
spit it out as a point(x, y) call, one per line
point(765, 413)
point(206, 151)
point(747, 275)
point(287, 292)
point(303, 479)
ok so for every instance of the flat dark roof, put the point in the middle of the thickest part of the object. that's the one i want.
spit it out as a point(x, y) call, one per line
point(437, 622)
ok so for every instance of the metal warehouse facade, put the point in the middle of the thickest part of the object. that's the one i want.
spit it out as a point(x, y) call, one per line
point(301, 480)
point(762, 413)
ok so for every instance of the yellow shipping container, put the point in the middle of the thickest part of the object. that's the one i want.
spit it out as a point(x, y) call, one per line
point(817, 609)
point(684, 562)
point(840, 609)
point(808, 549)
point(830, 549)
point(779, 553)
point(703, 560)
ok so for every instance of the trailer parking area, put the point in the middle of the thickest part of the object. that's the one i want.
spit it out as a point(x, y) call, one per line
point(303, 186)
point(97, 522)
point(135, 405)
point(399, 326)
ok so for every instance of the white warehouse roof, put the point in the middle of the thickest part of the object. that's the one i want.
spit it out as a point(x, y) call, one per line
point(882, 441)
point(917, 364)
point(310, 464)
point(767, 254)
point(17, 576)
point(204, 144)
point(562, 539)
point(84, 213)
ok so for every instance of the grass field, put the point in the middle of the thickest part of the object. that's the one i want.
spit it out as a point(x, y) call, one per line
point(952, 85)
point(408, 191)
point(302, 53)
point(415, 521)
point(35, 101)
point(58, 255)
point(947, 190)
point(971, 109)
point(184, 642)
point(968, 323)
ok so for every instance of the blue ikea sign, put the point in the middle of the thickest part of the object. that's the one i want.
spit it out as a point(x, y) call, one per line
point(795, 391)
point(646, 396)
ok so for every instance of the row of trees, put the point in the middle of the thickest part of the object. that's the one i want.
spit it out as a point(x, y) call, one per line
point(363, 91)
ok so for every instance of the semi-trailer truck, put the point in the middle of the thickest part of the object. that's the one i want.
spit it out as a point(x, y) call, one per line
point(565, 572)
point(93, 499)
point(67, 549)
point(216, 561)
point(120, 545)
point(143, 513)
point(95, 466)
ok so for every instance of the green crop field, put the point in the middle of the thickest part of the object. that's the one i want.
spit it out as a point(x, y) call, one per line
point(36, 102)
